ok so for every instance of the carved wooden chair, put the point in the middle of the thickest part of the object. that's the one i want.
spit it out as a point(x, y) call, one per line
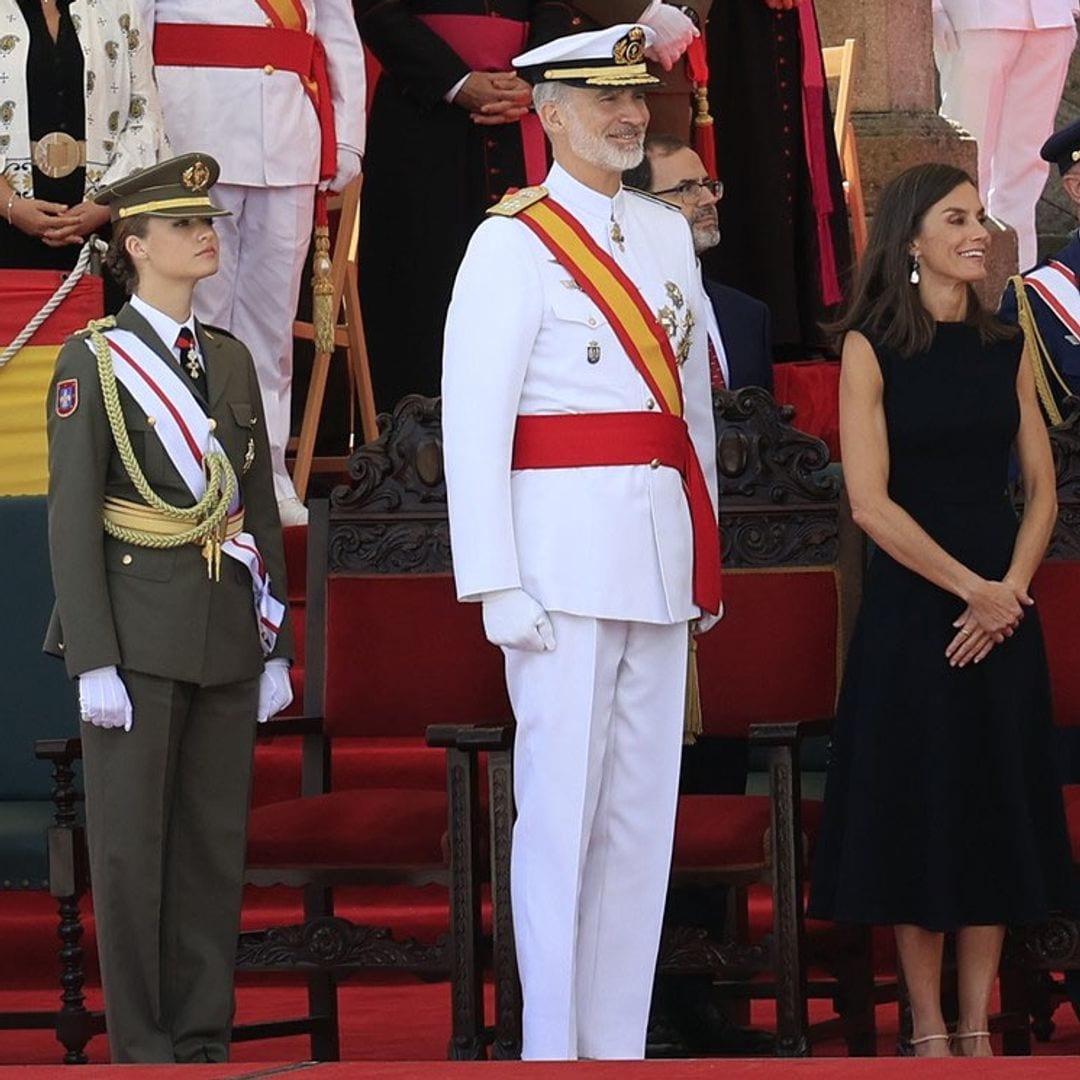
point(1032, 954)
point(396, 652)
point(793, 571)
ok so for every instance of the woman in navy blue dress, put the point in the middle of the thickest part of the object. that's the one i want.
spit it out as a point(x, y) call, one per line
point(942, 812)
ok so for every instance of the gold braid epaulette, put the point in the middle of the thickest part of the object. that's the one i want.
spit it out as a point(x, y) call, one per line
point(207, 516)
point(1041, 360)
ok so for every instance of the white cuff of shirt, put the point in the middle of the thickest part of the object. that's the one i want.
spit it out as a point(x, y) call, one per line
point(452, 93)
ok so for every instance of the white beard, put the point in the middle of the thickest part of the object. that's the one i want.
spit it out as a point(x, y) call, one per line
point(596, 150)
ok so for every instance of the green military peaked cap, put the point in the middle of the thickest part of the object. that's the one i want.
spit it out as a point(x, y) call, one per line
point(179, 187)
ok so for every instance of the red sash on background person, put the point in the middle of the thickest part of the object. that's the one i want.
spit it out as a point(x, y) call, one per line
point(489, 43)
point(285, 45)
point(593, 439)
point(815, 133)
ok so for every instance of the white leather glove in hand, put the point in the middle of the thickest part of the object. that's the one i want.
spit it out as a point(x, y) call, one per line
point(945, 39)
point(103, 699)
point(349, 165)
point(705, 622)
point(275, 690)
point(674, 32)
point(514, 619)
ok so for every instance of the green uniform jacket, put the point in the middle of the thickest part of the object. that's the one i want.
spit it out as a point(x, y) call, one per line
point(156, 611)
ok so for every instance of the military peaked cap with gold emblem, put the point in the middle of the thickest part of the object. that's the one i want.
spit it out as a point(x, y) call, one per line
point(179, 187)
point(1063, 147)
point(611, 57)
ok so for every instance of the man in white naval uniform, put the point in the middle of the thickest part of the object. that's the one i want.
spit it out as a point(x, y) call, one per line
point(1003, 65)
point(578, 537)
point(232, 76)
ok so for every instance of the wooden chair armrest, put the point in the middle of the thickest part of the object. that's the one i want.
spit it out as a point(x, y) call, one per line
point(470, 737)
point(290, 725)
point(788, 734)
point(58, 751)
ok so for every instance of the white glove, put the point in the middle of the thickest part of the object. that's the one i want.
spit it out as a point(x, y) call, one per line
point(514, 619)
point(275, 690)
point(349, 165)
point(103, 699)
point(945, 38)
point(674, 32)
point(705, 622)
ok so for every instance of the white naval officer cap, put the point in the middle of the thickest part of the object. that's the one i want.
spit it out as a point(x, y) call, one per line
point(611, 57)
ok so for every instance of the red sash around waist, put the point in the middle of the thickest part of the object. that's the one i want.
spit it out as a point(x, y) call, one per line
point(582, 440)
point(206, 45)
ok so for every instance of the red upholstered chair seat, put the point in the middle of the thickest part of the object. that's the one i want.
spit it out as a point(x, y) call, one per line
point(384, 762)
point(374, 827)
point(731, 832)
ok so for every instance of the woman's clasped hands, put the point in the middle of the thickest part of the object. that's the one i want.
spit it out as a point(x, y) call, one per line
point(993, 613)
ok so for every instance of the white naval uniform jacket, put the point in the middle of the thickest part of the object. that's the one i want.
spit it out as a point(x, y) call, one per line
point(261, 127)
point(610, 542)
point(1009, 14)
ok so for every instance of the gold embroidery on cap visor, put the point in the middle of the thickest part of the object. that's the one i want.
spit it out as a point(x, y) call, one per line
point(605, 76)
point(188, 202)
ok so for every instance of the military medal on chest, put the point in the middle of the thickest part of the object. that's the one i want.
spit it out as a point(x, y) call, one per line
point(191, 362)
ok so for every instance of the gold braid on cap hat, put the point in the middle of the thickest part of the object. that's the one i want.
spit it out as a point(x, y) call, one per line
point(207, 516)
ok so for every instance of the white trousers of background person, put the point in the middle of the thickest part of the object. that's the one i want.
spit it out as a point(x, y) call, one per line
point(255, 291)
point(1004, 87)
point(596, 774)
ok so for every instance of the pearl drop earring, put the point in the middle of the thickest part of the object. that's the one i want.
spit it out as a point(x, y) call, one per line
point(914, 276)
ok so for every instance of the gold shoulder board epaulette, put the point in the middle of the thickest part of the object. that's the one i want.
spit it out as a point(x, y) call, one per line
point(652, 198)
point(514, 202)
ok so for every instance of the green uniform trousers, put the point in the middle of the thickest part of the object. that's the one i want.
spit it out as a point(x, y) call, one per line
point(166, 807)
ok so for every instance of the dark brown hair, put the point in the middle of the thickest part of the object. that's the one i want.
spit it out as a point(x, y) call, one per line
point(640, 176)
point(117, 259)
point(883, 300)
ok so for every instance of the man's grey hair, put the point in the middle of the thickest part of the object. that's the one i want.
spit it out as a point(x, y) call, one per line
point(550, 91)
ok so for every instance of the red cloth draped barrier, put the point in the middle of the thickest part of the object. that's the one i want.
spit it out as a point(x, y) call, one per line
point(813, 387)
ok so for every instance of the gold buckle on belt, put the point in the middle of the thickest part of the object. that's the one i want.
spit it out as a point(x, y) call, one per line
point(57, 154)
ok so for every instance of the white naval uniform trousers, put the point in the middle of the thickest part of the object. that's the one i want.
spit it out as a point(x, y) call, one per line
point(1003, 85)
point(262, 128)
point(607, 552)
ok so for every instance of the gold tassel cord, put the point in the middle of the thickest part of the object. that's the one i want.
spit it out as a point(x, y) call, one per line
point(692, 721)
point(322, 288)
point(208, 517)
point(1041, 361)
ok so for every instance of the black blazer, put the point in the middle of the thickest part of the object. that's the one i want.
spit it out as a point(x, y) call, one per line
point(746, 330)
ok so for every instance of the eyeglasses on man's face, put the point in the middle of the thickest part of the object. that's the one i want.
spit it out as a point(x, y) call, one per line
point(690, 190)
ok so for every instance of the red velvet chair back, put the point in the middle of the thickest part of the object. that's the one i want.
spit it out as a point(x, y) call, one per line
point(775, 654)
point(402, 653)
point(1056, 590)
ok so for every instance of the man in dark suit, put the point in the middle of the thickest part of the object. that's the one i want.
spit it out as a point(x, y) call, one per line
point(168, 568)
point(740, 338)
point(1045, 300)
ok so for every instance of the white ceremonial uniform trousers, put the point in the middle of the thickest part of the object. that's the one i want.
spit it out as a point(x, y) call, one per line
point(596, 775)
point(255, 291)
point(1004, 87)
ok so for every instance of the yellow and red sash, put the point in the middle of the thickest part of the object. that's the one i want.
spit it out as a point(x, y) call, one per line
point(285, 44)
point(594, 439)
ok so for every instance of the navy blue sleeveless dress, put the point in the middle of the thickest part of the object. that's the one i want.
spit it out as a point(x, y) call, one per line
point(942, 807)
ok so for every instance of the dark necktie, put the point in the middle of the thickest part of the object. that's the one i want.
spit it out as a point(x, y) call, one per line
point(189, 359)
point(716, 373)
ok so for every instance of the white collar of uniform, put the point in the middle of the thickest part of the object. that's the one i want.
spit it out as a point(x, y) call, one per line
point(580, 199)
point(166, 327)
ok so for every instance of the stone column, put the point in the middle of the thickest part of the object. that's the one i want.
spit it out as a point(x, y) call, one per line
point(895, 105)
